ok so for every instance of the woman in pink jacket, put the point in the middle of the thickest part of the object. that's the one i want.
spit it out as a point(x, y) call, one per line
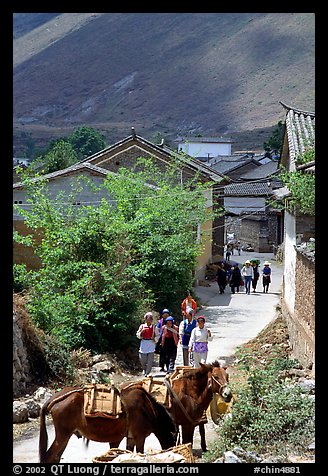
point(170, 339)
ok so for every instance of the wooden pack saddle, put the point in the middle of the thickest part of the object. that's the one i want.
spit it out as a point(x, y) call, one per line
point(159, 390)
point(102, 400)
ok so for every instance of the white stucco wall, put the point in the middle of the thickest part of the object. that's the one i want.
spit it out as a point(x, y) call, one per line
point(200, 149)
point(84, 193)
point(290, 261)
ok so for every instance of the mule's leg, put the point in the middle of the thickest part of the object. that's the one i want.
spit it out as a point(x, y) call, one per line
point(187, 433)
point(130, 443)
point(202, 436)
point(114, 444)
point(57, 448)
point(140, 443)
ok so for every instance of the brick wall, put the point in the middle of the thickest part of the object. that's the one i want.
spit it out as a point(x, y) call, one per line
point(301, 322)
point(25, 254)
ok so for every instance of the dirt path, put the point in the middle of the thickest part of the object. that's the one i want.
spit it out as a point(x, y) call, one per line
point(234, 320)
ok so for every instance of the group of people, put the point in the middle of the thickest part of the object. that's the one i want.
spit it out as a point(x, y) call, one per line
point(229, 248)
point(247, 276)
point(164, 337)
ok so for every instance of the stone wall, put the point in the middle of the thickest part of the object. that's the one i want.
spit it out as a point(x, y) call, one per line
point(21, 368)
point(301, 322)
point(259, 231)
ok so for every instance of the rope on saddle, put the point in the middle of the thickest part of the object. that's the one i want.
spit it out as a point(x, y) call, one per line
point(175, 396)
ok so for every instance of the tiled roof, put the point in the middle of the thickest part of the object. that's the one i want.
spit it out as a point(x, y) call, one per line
point(68, 171)
point(248, 188)
point(189, 162)
point(226, 164)
point(214, 140)
point(263, 171)
point(300, 127)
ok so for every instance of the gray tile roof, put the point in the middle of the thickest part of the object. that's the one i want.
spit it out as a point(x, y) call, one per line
point(248, 188)
point(68, 171)
point(189, 162)
point(263, 171)
point(227, 163)
point(300, 127)
point(221, 140)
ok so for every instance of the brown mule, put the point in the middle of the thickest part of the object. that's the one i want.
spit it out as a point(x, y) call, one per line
point(142, 415)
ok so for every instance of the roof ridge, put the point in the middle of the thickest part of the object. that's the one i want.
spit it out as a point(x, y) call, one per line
point(297, 111)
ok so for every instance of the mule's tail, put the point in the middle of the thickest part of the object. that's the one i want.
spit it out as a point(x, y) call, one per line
point(43, 437)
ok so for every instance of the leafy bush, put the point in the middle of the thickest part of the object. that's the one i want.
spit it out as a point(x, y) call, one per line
point(103, 266)
point(20, 278)
point(269, 414)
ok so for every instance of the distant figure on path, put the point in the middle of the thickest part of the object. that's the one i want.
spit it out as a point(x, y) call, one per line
point(247, 274)
point(170, 339)
point(235, 279)
point(185, 329)
point(266, 276)
point(159, 350)
point(189, 301)
point(228, 252)
point(256, 275)
point(221, 278)
point(148, 334)
point(199, 338)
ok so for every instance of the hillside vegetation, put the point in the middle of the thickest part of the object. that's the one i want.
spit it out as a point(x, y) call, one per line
point(167, 73)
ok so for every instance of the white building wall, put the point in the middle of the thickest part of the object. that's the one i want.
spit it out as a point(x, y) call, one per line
point(203, 149)
point(290, 261)
point(82, 192)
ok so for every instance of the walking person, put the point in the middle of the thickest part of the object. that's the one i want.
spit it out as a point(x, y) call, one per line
point(239, 247)
point(170, 339)
point(190, 302)
point(266, 276)
point(148, 334)
point(235, 279)
point(159, 350)
point(221, 278)
point(198, 343)
point(247, 275)
point(185, 328)
point(228, 252)
point(256, 275)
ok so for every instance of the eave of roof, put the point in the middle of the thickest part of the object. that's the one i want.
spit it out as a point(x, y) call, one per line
point(68, 171)
point(218, 140)
point(300, 129)
point(162, 150)
point(248, 189)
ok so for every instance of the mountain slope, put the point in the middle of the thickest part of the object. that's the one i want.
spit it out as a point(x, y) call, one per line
point(177, 73)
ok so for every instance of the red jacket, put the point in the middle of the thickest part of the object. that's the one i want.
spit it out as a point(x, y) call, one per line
point(186, 303)
point(165, 331)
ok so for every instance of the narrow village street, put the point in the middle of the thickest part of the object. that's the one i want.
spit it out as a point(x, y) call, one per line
point(234, 319)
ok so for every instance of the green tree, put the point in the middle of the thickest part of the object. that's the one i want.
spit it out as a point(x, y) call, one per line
point(103, 266)
point(302, 190)
point(86, 141)
point(60, 156)
point(275, 140)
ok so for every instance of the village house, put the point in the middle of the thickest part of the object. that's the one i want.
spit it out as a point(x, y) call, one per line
point(124, 154)
point(204, 148)
point(298, 300)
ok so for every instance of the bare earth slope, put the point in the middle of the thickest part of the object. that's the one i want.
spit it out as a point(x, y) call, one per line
point(206, 73)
